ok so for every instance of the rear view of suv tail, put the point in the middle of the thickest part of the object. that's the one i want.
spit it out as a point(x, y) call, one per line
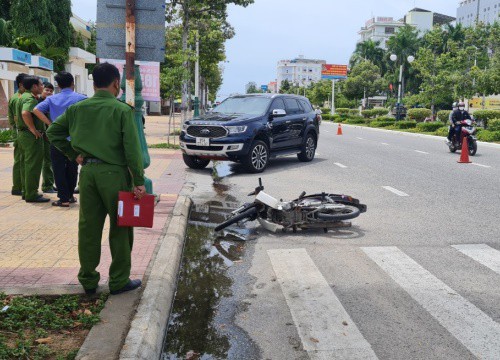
point(252, 129)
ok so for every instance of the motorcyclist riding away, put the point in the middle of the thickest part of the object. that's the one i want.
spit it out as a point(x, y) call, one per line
point(457, 117)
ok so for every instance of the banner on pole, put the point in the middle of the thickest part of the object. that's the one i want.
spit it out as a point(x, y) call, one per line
point(150, 75)
point(333, 72)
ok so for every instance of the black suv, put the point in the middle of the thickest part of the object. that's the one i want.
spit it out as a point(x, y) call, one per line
point(251, 129)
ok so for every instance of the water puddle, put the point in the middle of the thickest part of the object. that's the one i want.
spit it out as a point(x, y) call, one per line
point(200, 326)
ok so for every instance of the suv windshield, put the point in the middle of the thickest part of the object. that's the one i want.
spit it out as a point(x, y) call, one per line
point(244, 105)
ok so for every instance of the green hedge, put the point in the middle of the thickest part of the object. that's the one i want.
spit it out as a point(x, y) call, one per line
point(342, 111)
point(444, 115)
point(442, 131)
point(488, 135)
point(429, 126)
point(355, 121)
point(353, 112)
point(418, 115)
point(326, 116)
point(385, 118)
point(487, 114)
point(326, 110)
point(6, 136)
point(405, 124)
point(494, 125)
point(381, 123)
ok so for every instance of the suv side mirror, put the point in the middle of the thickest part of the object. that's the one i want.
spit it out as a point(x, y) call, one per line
point(277, 113)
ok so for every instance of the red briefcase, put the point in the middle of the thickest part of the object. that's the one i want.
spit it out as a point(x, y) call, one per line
point(133, 212)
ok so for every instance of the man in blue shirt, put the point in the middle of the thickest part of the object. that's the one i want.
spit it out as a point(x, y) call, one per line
point(65, 170)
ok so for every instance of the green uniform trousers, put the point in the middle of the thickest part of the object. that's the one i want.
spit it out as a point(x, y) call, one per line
point(31, 150)
point(99, 187)
point(47, 173)
point(16, 168)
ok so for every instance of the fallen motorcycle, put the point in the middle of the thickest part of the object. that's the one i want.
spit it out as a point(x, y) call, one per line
point(324, 211)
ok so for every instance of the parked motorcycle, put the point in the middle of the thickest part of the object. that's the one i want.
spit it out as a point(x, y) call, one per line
point(468, 130)
point(324, 211)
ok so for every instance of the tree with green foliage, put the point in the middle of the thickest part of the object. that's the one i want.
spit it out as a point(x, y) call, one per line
point(189, 12)
point(369, 50)
point(5, 9)
point(364, 79)
point(285, 86)
point(5, 33)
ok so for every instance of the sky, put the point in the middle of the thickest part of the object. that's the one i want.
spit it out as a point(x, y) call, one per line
point(272, 30)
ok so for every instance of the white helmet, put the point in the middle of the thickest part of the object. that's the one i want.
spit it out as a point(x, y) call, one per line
point(455, 105)
point(461, 104)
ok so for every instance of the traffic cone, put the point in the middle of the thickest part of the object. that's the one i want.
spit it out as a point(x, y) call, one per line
point(339, 130)
point(464, 155)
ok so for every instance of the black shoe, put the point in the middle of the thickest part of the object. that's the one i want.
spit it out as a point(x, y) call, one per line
point(16, 193)
point(39, 199)
point(132, 285)
point(77, 190)
point(50, 191)
point(90, 291)
point(55, 188)
point(73, 200)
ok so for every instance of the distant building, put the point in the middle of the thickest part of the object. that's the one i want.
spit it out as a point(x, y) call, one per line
point(79, 58)
point(272, 87)
point(299, 71)
point(379, 29)
point(425, 20)
point(470, 12)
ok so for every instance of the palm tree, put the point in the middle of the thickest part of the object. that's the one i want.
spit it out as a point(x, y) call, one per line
point(453, 34)
point(5, 34)
point(369, 50)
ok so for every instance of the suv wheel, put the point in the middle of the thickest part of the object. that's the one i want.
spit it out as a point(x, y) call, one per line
point(257, 158)
point(194, 162)
point(308, 148)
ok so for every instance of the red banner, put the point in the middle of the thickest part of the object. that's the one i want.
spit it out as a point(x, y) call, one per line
point(334, 71)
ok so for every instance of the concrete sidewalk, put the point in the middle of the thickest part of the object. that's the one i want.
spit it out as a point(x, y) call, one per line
point(38, 243)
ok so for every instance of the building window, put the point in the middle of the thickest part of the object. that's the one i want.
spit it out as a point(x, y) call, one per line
point(390, 30)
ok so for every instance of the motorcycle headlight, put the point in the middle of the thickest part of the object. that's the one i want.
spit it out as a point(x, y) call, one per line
point(236, 129)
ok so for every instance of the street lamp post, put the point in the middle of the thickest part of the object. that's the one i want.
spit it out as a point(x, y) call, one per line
point(394, 58)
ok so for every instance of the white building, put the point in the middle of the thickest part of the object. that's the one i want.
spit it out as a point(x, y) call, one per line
point(379, 29)
point(299, 71)
point(78, 58)
point(471, 11)
point(425, 20)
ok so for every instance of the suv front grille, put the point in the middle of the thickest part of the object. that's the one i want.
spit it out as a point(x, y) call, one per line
point(206, 131)
point(205, 148)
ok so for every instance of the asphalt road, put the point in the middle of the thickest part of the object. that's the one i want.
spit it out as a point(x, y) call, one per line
point(416, 277)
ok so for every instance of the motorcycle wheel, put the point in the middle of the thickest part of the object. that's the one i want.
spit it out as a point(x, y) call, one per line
point(349, 212)
point(245, 214)
point(472, 148)
point(452, 148)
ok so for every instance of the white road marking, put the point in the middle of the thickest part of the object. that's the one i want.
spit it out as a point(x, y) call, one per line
point(384, 143)
point(340, 165)
point(421, 152)
point(472, 327)
point(317, 153)
point(485, 166)
point(395, 191)
point(325, 328)
point(483, 254)
point(359, 138)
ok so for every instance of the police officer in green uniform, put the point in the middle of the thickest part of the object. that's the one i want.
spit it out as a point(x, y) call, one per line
point(47, 173)
point(30, 140)
point(12, 112)
point(105, 141)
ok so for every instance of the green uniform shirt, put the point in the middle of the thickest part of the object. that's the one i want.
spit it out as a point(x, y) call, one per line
point(12, 110)
point(27, 102)
point(100, 127)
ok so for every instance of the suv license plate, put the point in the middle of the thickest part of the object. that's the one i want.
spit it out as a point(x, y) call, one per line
point(202, 142)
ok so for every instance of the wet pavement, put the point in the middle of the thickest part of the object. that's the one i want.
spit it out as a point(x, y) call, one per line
point(209, 297)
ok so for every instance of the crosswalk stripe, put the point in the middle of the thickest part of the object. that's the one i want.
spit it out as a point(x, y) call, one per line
point(325, 328)
point(472, 327)
point(483, 254)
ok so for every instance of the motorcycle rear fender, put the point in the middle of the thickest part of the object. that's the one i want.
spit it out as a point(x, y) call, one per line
point(342, 199)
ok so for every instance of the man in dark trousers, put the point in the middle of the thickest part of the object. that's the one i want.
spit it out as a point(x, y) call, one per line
point(30, 140)
point(17, 186)
point(105, 141)
point(65, 170)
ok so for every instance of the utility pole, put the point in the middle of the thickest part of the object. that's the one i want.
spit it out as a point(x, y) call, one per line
point(130, 52)
point(197, 77)
point(333, 96)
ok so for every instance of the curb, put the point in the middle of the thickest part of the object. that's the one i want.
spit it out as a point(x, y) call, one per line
point(147, 330)
point(435, 137)
point(123, 317)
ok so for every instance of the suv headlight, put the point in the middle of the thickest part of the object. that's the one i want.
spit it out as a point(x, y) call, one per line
point(185, 127)
point(236, 129)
